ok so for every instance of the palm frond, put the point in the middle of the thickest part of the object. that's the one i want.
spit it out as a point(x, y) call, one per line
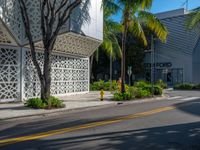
point(146, 4)
point(193, 19)
point(113, 26)
point(111, 45)
point(137, 30)
point(110, 7)
point(151, 22)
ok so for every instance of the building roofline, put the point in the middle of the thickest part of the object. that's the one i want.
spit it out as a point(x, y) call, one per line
point(171, 14)
point(9, 32)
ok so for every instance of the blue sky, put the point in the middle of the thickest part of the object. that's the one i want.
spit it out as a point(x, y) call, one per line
point(166, 5)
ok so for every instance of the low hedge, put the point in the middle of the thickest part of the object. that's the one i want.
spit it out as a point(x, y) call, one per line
point(161, 84)
point(122, 96)
point(157, 90)
point(187, 86)
point(140, 89)
point(96, 86)
point(146, 86)
point(38, 103)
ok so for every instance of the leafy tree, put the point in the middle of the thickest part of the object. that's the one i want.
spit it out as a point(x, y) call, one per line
point(135, 16)
point(54, 15)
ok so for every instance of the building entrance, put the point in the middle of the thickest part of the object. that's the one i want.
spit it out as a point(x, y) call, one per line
point(169, 76)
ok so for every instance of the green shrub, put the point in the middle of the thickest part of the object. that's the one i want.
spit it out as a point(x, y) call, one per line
point(96, 86)
point(122, 96)
point(38, 103)
point(157, 90)
point(133, 91)
point(141, 84)
point(54, 102)
point(115, 85)
point(140, 89)
point(185, 86)
point(162, 84)
point(196, 87)
point(145, 89)
point(141, 93)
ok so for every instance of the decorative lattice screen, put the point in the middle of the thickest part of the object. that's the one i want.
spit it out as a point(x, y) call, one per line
point(9, 74)
point(5, 36)
point(75, 44)
point(69, 75)
point(11, 17)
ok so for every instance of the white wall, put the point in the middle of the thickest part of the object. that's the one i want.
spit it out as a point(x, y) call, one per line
point(93, 27)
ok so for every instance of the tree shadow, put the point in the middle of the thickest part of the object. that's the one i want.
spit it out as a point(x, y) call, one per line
point(23, 129)
point(184, 136)
point(172, 137)
point(15, 108)
point(190, 107)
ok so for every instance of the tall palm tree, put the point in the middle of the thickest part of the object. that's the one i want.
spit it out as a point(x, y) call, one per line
point(136, 16)
point(194, 19)
point(111, 28)
point(110, 42)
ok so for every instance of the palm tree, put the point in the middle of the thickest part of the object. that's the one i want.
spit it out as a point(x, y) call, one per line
point(194, 18)
point(110, 42)
point(135, 16)
point(111, 28)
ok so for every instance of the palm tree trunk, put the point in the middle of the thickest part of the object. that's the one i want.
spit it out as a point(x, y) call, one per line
point(123, 60)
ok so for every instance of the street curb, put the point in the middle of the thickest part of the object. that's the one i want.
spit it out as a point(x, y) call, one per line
point(69, 111)
point(78, 110)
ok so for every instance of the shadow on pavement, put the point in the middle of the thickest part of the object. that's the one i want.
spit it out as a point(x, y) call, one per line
point(173, 137)
point(191, 107)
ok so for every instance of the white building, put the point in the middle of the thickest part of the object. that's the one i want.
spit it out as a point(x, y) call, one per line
point(70, 66)
point(177, 60)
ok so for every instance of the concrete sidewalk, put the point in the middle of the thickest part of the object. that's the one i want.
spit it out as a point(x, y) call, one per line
point(73, 103)
point(15, 110)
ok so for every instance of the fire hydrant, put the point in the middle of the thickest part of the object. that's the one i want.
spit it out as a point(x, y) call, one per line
point(102, 94)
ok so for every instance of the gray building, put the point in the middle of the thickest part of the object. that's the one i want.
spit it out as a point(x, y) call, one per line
point(177, 60)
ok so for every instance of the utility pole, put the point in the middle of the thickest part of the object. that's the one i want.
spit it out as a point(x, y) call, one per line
point(186, 4)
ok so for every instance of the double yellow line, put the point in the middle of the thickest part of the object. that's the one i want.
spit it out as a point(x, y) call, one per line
point(84, 126)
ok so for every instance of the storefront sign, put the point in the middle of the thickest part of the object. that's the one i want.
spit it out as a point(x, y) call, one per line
point(159, 65)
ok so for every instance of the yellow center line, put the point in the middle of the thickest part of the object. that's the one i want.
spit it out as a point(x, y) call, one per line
point(84, 126)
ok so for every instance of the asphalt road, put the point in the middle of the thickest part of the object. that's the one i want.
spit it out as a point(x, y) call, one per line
point(171, 124)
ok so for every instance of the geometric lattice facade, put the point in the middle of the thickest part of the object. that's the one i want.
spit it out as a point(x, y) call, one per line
point(19, 80)
point(5, 37)
point(12, 19)
point(70, 62)
point(69, 75)
point(75, 44)
point(9, 74)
